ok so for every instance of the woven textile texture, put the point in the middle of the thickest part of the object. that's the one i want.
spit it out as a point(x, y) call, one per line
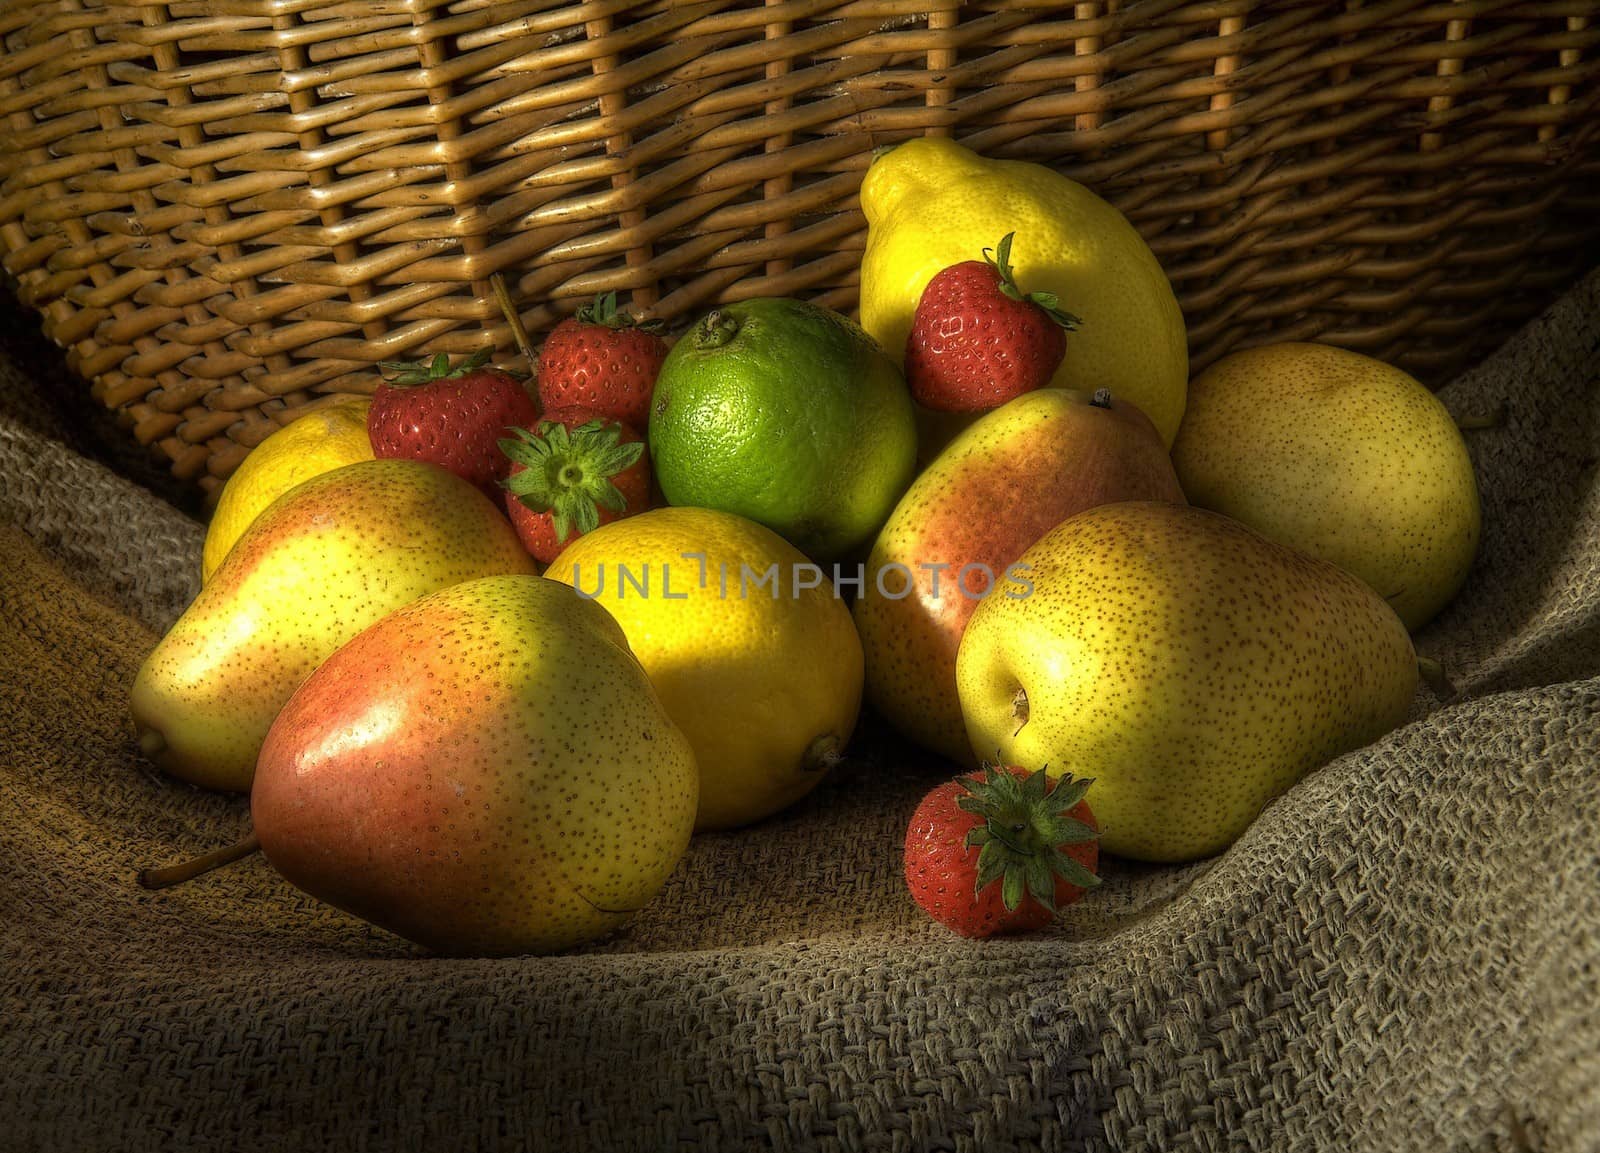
point(1403, 952)
point(227, 209)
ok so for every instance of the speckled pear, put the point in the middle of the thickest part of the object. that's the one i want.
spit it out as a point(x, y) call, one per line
point(1189, 665)
point(321, 563)
point(1340, 456)
point(1020, 471)
point(487, 771)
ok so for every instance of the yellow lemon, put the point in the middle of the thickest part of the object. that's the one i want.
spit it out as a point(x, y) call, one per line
point(753, 653)
point(931, 203)
point(316, 443)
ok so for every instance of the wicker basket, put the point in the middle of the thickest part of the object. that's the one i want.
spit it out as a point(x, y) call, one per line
point(227, 209)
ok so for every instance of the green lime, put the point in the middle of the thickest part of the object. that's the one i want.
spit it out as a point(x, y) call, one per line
point(790, 415)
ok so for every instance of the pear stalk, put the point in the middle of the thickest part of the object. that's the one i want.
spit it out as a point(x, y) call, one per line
point(1478, 421)
point(822, 755)
point(169, 875)
point(1435, 677)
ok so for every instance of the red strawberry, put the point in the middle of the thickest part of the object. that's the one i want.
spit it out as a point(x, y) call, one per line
point(576, 471)
point(451, 417)
point(977, 341)
point(604, 360)
point(1035, 837)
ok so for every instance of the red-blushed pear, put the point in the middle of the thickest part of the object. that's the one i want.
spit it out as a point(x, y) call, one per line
point(486, 772)
point(999, 486)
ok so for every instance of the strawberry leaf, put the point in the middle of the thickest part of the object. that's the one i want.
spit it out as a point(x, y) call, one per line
point(1050, 305)
point(1024, 821)
point(991, 865)
point(1041, 882)
point(1011, 888)
point(1068, 792)
point(568, 472)
point(1072, 872)
point(620, 459)
point(406, 373)
point(561, 522)
point(999, 259)
point(605, 313)
point(610, 496)
point(583, 512)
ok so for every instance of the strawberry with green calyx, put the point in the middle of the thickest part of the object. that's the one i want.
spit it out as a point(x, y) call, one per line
point(449, 416)
point(573, 472)
point(1001, 850)
point(977, 340)
point(602, 359)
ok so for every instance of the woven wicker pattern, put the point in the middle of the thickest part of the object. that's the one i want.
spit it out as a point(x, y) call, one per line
point(226, 209)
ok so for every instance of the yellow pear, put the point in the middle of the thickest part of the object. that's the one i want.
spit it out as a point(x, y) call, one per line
point(1342, 457)
point(322, 562)
point(315, 443)
point(1020, 471)
point(1192, 667)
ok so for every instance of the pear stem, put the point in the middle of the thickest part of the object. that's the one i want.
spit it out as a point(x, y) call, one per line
point(1019, 709)
point(822, 755)
point(1434, 676)
point(1477, 421)
point(169, 875)
point(502, 296)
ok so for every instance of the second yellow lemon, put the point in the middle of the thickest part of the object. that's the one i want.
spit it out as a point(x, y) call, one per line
point(316, 443)
point(931, 203)
point(754, 657)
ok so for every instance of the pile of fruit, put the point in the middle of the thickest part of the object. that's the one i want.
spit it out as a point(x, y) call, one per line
point(1118, 610)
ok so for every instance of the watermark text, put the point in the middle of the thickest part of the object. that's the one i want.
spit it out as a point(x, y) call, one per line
point(927, 580)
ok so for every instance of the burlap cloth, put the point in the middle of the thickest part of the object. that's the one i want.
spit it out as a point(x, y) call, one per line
point(1402, 953)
